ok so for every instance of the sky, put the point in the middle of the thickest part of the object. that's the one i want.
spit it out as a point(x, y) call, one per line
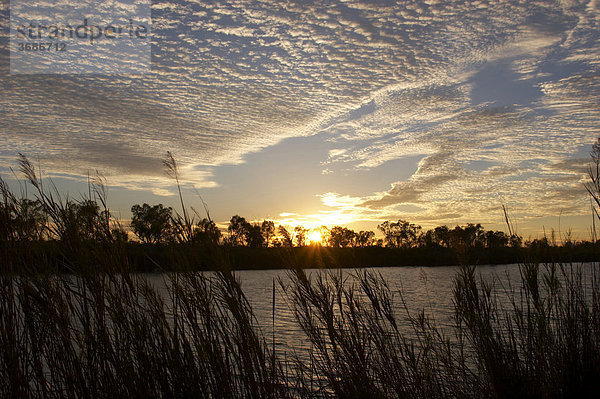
point(332, 112)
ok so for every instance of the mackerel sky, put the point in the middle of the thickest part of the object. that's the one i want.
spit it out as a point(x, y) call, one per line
point(333, 112)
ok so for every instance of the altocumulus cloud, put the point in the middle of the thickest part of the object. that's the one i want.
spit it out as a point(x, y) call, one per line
point(500, 99)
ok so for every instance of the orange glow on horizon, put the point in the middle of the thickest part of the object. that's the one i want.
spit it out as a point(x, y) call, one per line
point(315, 237)
point(317, 220)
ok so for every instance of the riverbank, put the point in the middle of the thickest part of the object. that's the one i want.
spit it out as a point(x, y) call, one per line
point(139, 257)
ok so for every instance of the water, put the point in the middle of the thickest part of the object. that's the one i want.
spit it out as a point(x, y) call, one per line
point(423, 288)
point(428, 288)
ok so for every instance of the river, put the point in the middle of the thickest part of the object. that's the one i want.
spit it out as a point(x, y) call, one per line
point(423, 288)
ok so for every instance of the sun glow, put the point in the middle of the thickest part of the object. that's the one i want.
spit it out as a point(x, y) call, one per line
point(315, 237)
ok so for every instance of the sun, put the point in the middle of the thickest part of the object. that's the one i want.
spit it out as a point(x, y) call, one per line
point(315, 237)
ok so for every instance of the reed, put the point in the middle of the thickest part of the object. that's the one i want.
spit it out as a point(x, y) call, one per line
point(536, 337)
point(362, 348)
point(545, 343)
point(76, 322)
point(105, 334)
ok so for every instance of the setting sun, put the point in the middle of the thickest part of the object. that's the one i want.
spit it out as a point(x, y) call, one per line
point(315, 237)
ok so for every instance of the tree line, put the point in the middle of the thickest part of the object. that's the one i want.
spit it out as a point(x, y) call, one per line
point(155, 224)
point(158, 224)
point(51, 217)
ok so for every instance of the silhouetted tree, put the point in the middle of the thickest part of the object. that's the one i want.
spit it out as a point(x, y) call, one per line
point(82, 221)
point(253, 235)
point(538, 243)
point(400, 234)
point(515, 241)
point(441, 236)
point(207, 232)
point(87, 214)
point(23, 219)
point(268, 231)
point(119, 235)
point(237, 230)
point(341, 237)
point(152, 224)
point(285, 238)
point(427, 239)
point(495, 239)
point(300, 234)
point(365, 238)
point(468, 236)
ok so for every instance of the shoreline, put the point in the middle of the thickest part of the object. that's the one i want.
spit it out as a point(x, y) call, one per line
point(137, 257)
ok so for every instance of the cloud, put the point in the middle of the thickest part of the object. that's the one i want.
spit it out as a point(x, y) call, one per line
point(512, 84)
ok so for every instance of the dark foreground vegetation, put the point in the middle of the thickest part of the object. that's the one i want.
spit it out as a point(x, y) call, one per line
point(102, 330)
point(108, 334)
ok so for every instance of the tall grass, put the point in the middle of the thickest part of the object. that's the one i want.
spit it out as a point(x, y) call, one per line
point(536, 337)
point(360, 348)
point(113, 335)
point(109, 334)
point(546, 343)
point(45, 229)
point(103, 331)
